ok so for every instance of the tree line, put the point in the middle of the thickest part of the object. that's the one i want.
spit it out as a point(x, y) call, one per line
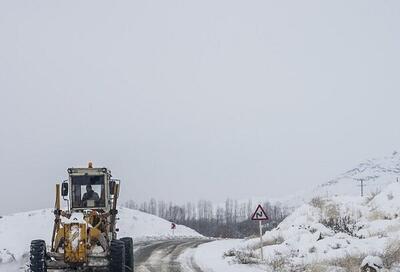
point(230, 220)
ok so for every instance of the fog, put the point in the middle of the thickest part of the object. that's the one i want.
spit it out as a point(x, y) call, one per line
point(187, 100)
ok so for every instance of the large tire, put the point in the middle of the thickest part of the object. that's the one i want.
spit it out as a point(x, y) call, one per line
point(117, 256)
point(128, 241)
point(38, 256)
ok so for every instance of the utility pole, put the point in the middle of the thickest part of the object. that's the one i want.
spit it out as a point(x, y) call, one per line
point(362, 187)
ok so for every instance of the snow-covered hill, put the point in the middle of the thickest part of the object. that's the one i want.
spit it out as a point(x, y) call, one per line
point(17, 230)
point(375, 173)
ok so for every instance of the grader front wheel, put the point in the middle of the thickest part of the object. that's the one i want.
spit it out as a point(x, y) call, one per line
point(38, 256)
point(117, 256)
point(128, 241)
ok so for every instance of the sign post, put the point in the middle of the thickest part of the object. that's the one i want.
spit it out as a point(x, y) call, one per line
point(260, 215)
point(261, 241)
point(173, 227)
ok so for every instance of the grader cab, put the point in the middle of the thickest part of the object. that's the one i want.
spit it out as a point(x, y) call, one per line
point(84, 236)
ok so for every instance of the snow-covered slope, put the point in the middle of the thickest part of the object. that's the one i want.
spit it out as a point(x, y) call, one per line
point(16, 231)
point(140, 225)
point(375, 173)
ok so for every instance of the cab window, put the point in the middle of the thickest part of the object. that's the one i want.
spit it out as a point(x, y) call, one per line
point(88, 191)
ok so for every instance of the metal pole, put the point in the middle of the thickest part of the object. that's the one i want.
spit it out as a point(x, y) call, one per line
point(261, 241)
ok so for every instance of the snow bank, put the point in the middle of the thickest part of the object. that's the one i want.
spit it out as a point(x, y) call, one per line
point(209, 257)
point(17, 231)
point(141, 226)
point(373, 262)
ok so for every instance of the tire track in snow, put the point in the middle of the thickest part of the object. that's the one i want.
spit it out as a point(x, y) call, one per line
point(163, 256)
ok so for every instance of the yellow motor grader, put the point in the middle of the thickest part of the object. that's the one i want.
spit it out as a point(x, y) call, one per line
point(85, 235)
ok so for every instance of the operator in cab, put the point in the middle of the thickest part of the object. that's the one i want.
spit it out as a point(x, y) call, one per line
point(90, 196)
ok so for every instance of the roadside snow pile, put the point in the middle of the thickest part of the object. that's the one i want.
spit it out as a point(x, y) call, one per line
point(140, 225)
point(215, 256)
point(332, 233)
point(372, 262)
point(17, 231)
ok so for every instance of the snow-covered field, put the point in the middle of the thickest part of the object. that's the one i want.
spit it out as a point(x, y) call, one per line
point(17, 230)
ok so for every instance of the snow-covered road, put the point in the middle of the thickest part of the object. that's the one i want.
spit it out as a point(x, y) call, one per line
point(164, 256)
point(150, 256)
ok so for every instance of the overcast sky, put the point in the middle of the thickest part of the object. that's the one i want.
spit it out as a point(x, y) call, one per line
point(185, 100)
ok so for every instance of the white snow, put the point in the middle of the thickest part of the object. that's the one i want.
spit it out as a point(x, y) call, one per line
point(141, 226)
point(372, 261)
point(209, 257)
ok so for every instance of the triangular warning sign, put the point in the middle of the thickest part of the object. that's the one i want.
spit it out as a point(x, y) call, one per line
point(259, 214)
